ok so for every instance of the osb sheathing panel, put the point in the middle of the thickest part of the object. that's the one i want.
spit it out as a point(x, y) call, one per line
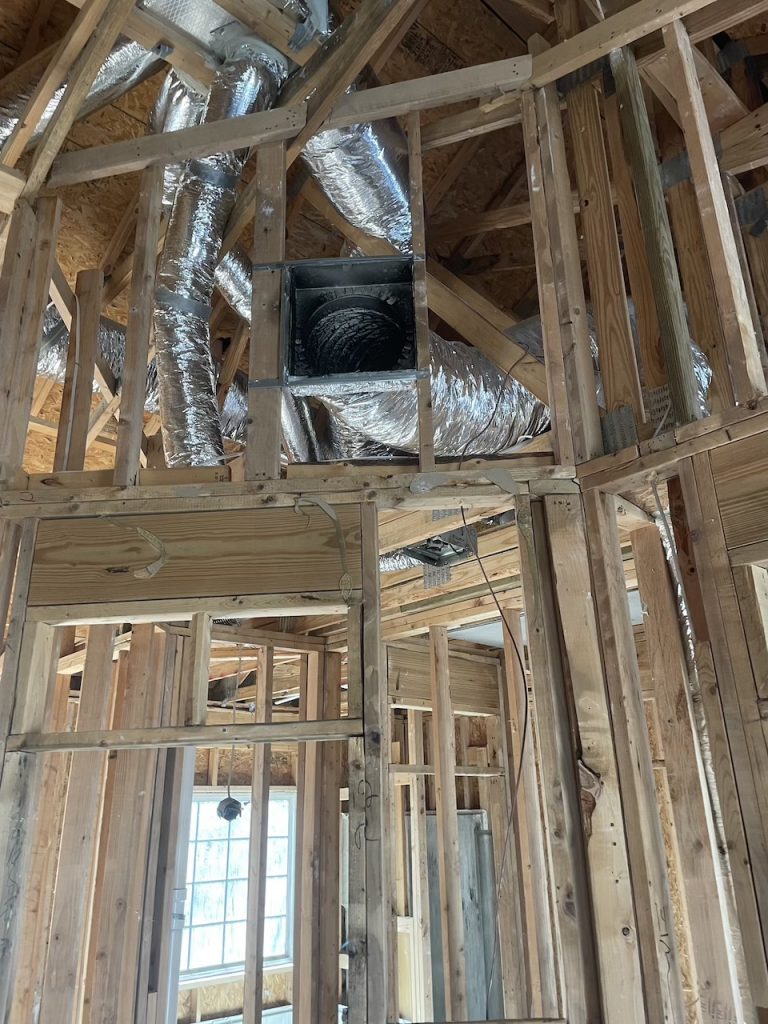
point(241, 758)
point(214, 1001)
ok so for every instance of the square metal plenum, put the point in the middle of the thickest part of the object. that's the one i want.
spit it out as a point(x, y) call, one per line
point(311, 283)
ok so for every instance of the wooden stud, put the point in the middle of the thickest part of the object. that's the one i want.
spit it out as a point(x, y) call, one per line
point(452, 914)
point(653, 911)
point(262, 453)
point(419, 874)
point(380, 943)
point(510, 966)
point(253, 986)
point(640, 286)
point(658, 239)
point(695, 270)
point(41, 880)
point(121, 877)
point(714, 936)
point(618, 366)
point(306, 949)
point(357, 973)
point(736, 685)
point(71, 440)
point(27, 687)
point(423, 360)
point(607, 856)
point(743, 356)
point(563, 439)
point(570, 375)
point(195, 662)
point(523, 793)
point(139, 331)
point(327, 933)
point(26, 280)
point(578, 994)
point(62, 992)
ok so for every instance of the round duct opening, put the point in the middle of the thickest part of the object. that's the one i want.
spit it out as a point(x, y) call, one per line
point(354, 334)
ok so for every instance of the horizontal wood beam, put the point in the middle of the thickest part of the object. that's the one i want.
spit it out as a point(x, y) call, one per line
point(431, 91)
point(171, 147)
point(489, 117)
point(384, 101)
point(238, 733)
point(472, 771)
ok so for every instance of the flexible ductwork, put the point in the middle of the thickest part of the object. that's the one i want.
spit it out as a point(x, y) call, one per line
point(362, 170)
point(475, 408)
point(126, 66)
point(249, 81)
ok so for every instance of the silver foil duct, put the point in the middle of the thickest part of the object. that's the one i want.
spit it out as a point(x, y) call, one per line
point(476, 409)
point(52, 354)
point(397, 561)
point(178, 105)
point(126, 66)
point(363, 170)
point(185, 279)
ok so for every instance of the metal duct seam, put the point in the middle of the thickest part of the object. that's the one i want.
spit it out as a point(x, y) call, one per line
point(249, 80)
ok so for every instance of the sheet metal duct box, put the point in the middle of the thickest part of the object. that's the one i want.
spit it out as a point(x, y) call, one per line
point(349, 326)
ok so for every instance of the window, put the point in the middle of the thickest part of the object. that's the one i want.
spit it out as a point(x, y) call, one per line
point(213, 939)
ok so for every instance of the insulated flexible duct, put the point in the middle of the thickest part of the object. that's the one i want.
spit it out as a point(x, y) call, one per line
point(247, 82)
point(126, 66)
point(362, 171)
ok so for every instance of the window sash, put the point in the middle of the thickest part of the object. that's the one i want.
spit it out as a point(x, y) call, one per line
point(226, 923)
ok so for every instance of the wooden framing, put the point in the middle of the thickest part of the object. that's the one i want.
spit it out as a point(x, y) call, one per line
point(618, 764)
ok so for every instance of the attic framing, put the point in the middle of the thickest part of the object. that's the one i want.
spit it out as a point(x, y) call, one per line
point(618, 763)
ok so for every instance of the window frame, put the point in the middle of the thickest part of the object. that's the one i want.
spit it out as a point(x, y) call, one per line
point(194, 976)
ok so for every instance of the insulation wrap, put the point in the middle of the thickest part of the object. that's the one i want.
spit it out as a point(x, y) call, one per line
point(247, 82)
point(476, 408)
point(363, 170)
point(127, 64)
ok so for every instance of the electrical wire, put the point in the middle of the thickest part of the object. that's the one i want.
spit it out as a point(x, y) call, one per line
point(526, 715)
point(521, 763)
point(234, 720)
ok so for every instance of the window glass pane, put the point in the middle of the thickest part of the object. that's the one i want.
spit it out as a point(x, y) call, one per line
point(237, 900)
point(211, 860)
point(279, 817)
point(276, 896)
point(234, 943)
point(240, 828)
point(213, 938)
point(277, 856)
point(210, 825)
point(205, 945)
point(208, 903)
point(274, 937)
point(238, 858)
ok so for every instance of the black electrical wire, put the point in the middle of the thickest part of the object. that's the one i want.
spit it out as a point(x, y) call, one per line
point(526, 716)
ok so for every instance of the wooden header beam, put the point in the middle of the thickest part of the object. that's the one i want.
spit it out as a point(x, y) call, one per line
point(238, 733)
